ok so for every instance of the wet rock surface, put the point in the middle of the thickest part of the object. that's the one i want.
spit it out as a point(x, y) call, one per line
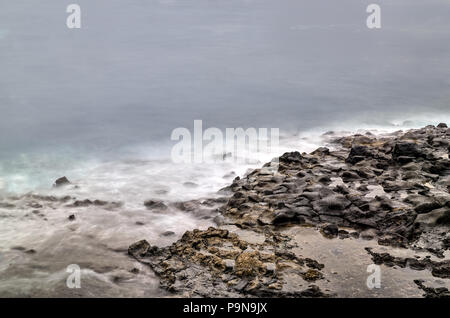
point(438, 269)
point(392, 189)
point(63, 181)
point(431, 292)
point(217, 263)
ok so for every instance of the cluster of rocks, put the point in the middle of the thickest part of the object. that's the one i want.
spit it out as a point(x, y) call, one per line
point(217, 263)
point(38, 203)
point(393, 188)
point(438, 269)
point(430, 292)
point(385, 187)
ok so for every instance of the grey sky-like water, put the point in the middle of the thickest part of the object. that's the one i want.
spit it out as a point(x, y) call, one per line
point(138, 69)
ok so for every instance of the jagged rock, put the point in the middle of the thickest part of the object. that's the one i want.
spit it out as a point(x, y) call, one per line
point(139, 248)
point(248, 264)
point(312, 275)
point(359, 153)
point(63, 181)
point(216, 262)
point(406, 149)
point(288, 216)
point(423, 204)
point(321, 151)
point(438, 269)
point(392, 189)
point(330, 230)
point(348, 176)
point(436, 217)
point(291, 157)
point(155, 205)
point(430, 292)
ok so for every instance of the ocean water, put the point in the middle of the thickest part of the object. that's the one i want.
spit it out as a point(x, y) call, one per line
point(98, 105)
point(137, 70)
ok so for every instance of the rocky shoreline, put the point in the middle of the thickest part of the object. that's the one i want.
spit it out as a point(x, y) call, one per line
point(386, 197)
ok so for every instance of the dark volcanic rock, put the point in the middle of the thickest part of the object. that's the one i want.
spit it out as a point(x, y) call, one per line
point(430, 292)
point(288, 216)
point(139, 248)
point(155, 205)
point(438, 269)
point(168, 233)
point(330, 230)
point(306, 181)
point(406, 150)
point(390, 188)
point(291, 157)
point(215, 262)
point(359, 153)
point(331, 205)
point(61, 182)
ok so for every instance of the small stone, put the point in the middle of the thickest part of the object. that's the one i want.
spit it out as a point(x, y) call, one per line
point(167, 233)
point(71, 217)
point(61, 182)
point(155, 205)
point(139, 248)
point(330, 230)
